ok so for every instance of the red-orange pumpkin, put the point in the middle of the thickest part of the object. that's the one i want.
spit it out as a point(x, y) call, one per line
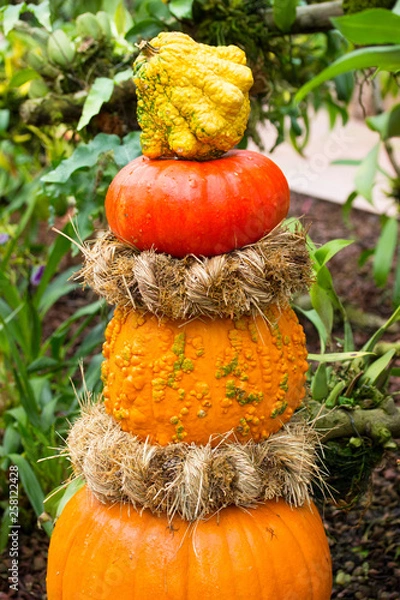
point(109, 552)
point(190, 207)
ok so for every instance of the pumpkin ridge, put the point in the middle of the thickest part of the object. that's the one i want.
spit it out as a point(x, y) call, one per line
point(255, 557)
point(67, 543)
point(258, 531)
point(300, 553)
point(163, 552)
point(320, 534)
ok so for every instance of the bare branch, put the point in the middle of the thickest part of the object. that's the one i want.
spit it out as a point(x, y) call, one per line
point(344, 423)
point(310, 18)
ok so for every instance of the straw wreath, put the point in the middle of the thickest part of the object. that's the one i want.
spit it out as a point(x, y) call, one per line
point(244, 281)
point(189, 480)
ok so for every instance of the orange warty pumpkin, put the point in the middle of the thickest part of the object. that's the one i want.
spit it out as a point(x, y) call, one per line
point(185, 381)
point(274, 552)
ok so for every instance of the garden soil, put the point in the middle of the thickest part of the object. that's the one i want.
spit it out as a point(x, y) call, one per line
point(364, 539)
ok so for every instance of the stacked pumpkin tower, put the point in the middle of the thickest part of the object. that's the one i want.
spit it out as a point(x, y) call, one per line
point(197, 478)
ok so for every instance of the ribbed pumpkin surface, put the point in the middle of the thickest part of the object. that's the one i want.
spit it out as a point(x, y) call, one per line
point(106, 552)
point(174, 381)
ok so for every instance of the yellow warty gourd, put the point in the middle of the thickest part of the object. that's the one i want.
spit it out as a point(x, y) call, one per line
point(193, 99)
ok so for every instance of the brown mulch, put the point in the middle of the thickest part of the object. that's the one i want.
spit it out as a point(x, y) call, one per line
point(364, 540)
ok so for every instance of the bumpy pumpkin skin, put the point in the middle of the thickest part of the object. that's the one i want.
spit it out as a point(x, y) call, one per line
point(173, 381)
point(187, 207)
point(193, 99)
point(274, 552)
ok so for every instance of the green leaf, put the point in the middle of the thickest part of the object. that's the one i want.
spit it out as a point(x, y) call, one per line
point(319, 384)
point(42, 363)
point(348, 204)
point(123, 76)
point(93, 340)
point(348, 345)
point(370, 344)
point(332, 399)
point(328, 250)
point(321, 302)
point(129, 150)
point(122, 19)
point(85, 155)
point(284, 14)
point(4, 119)
point(396, 284)
point(370, 27)
point(11, 16)
point(11, 440)
point(60, 286)
point(27, 397)
point(386, 58)
point(338, 356)
point(42, 13)
point(344, 84)
point(378, 367)
point(387, 124)
point(100, 92)
point(93, 374)
point(315, 319)
point(10, 326)
point(143, 29)
point(384, 251)
point(22, 76)
point(365, 175)
point(58, 498)
point(181, 9)
point(56, 253)
point(347, 162)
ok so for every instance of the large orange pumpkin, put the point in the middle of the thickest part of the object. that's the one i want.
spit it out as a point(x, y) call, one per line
point(104, 552)
point(185, 381)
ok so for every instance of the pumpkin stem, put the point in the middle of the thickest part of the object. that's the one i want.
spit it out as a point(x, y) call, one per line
point(147, 49)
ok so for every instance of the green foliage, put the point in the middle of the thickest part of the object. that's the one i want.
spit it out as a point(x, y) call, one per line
point(284, 14)
point(354, 6)
point(350, 379)
point(378, 31)
point(280, 63)
point(41, 363)
point(384, 58)
point(370, 27)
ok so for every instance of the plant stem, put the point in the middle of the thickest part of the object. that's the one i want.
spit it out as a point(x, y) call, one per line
point(390, 154)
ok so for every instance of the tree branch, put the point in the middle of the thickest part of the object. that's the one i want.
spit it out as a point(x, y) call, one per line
point(52, 109)
point(310, 18)
point(375, 423)
point(55, 108)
